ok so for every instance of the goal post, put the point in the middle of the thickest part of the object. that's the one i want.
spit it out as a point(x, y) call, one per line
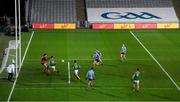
point(18, 38)
point(69, 73)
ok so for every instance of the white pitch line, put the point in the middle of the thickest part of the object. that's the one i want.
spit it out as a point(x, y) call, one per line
point(155, 61)
point(14, 84)
point(27, 48)
point(141, 59)
point(77, 88)
point(44, 83)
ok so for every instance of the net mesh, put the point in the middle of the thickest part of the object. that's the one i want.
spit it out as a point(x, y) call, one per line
point(8, 58)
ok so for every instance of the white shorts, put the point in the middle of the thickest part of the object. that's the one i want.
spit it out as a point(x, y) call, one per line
point(136, 81)
point(76, 72)
point(53, 67)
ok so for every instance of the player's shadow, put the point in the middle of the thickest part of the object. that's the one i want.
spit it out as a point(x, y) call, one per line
point(5, 80)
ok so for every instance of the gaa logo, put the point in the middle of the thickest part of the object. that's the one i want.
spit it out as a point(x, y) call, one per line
point(129, 15)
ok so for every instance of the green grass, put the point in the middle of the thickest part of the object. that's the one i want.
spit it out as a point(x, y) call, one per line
point(113, 79)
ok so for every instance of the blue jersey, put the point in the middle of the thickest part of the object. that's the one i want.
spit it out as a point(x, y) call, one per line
point(90, 74)
point(96, 56)
point(123, 49)
point(97, 51)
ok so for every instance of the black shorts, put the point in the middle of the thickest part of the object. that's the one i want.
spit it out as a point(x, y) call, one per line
point(122, 53)
point(97, 60)
point(90, 79)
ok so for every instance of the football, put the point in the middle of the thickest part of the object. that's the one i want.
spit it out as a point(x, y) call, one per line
point(62, 60)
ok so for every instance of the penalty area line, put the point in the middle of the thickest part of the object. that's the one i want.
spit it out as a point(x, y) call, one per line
point(63, 83)
point(155, 60)
point(78, 88)
point(130, 59)
point(14, 84)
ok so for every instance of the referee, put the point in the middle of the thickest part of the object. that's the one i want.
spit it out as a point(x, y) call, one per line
point(11, 70)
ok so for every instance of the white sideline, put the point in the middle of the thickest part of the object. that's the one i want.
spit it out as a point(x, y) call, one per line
point(14, 84)
point(155, 61)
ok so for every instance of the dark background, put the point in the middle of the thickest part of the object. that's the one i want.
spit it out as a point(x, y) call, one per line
point(7, 8)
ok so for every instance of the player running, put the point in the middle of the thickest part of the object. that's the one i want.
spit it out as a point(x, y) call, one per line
point(97, 58)
point(52, 64)
point(100, 56)
point(76, 67)
point(123, 53)
point(44, 62)
point(136, 78)
point(90, 77)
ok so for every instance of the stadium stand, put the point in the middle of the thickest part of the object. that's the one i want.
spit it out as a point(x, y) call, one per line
point(48, 13)
point(51, 11)
point(128, 3)
point(80, 8)
point(130, 11)
point(176, 4)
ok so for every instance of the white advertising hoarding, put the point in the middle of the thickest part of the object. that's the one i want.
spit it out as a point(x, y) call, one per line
point(127, 15)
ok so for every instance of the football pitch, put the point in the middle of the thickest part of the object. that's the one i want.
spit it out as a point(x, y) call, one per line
point(155, 52)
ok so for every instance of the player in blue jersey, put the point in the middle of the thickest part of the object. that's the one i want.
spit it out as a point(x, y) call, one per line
point(100, 56)
point(90, 77)
point(123, 53)
point(97, 58)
